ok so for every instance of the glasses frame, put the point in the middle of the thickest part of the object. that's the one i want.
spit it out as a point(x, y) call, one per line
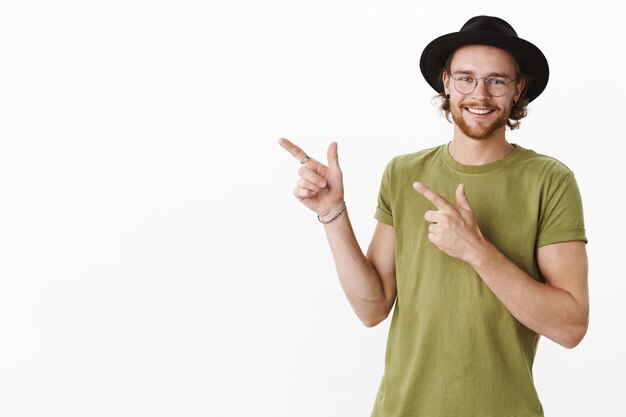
point(508, 84)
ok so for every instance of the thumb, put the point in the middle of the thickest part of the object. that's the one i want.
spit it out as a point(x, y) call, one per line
point(333, 157)
point(461, 199)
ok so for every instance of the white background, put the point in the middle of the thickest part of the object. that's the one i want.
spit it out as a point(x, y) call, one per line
point(153, 261)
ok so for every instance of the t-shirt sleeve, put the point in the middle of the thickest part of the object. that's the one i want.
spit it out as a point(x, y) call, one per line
point(562, 215)
point(384, 212)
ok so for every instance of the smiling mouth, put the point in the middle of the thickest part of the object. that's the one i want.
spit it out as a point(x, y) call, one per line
point(479, 111)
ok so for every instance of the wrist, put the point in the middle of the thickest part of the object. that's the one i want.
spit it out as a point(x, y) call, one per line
point(485, 253)
point(332, 214)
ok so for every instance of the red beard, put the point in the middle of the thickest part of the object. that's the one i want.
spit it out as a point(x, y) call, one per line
point(478, 130)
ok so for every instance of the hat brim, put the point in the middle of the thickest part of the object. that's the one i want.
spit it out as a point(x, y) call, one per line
point(530, 59)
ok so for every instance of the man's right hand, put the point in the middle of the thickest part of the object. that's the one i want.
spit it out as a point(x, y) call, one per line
point(320, 187)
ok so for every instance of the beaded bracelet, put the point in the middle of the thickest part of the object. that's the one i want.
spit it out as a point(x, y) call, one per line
point(343, 207)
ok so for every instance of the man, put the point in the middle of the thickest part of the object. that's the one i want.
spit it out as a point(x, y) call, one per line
point(479, 243)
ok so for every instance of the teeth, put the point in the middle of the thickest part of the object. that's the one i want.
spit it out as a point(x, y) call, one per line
point(479, 111)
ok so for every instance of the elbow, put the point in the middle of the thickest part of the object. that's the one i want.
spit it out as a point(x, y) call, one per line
point(571, 343)
point(575, 340)
point(370, 323)
point(375, 315)
point(574, 337)
point(373, 320)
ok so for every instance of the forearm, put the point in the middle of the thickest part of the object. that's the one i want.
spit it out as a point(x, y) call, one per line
point(358, 277)
point(549, 311)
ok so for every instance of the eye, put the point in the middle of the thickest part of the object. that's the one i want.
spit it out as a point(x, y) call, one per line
point(466, 78)
point(496, 81)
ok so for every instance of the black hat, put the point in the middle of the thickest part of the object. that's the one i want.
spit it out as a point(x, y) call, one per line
point(486, 30)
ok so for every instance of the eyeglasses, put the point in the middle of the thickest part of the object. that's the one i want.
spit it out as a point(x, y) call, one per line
point(496, 86)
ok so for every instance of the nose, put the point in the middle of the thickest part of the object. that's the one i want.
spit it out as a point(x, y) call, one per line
point(481, 89)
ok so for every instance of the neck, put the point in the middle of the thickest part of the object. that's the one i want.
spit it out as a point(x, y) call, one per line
point(470, 151)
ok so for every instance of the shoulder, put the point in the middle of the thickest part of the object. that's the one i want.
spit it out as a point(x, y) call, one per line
point(410, 160)
point(542, 166)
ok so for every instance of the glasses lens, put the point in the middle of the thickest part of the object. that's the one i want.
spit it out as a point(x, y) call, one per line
point(465, 84)
point(497, 86)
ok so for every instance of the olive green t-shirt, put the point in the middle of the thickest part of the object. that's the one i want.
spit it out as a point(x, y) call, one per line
point(454, 350)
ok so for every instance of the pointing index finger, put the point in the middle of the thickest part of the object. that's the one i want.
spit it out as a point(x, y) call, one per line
point(293, 149)
point(440, 202)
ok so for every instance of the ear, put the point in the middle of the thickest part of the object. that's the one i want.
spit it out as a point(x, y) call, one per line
point(445, 80)
point(519, 87)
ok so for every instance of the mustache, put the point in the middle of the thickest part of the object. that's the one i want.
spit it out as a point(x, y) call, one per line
point(479, 105)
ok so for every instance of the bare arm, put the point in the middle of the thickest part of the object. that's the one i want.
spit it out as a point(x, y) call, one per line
point(558, 311)
point(369, 282)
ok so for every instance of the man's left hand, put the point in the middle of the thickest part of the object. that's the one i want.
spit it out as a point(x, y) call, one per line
point(453, 228)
